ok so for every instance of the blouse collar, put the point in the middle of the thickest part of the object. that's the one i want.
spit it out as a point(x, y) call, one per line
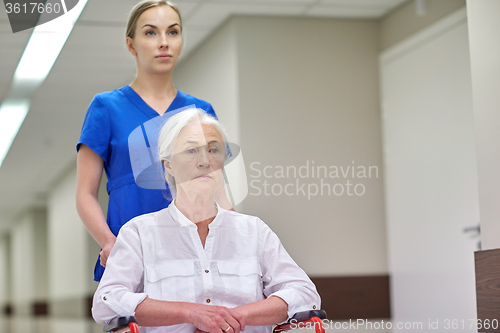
point(185, 222)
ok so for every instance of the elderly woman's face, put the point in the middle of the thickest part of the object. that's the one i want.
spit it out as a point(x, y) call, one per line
point(198, 159)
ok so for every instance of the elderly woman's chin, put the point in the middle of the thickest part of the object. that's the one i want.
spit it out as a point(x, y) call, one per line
point(202, 185)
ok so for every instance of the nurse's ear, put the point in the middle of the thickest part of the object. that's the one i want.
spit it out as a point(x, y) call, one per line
point(130, 46)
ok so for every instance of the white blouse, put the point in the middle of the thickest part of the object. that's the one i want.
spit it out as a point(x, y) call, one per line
point(160, 255)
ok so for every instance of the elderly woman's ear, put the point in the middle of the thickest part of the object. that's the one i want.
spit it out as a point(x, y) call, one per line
point(167, 166)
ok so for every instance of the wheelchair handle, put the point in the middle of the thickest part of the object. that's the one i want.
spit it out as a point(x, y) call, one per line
point(121, 324)
point(304, 319)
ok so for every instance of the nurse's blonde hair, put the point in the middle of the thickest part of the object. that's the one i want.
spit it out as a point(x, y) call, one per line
point(141, 7)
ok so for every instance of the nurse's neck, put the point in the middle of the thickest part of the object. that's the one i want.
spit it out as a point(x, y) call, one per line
point(154, 86)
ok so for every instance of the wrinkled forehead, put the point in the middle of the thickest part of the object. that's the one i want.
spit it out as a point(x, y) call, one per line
point(198, 134)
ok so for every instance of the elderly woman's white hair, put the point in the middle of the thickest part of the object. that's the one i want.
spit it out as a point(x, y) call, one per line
point(171, 129)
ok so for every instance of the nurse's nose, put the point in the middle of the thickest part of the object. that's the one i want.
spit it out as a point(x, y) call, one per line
point(163, 42)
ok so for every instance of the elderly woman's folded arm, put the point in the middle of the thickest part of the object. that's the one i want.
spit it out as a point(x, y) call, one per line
point(121, 290)
point(287, 287)
point(206, 318)
point(269, 311)
point(284, 279)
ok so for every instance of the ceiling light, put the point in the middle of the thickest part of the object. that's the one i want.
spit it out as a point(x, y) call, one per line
point(40, 54)
point(44, 46)
point(12, 114)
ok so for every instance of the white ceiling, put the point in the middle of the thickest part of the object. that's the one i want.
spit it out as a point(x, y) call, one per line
point(95, 59)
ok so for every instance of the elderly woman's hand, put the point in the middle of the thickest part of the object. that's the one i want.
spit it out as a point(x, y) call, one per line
point(216, 319)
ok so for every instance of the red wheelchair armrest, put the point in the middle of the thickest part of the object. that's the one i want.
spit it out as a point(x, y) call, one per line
point(120, 323)
point(304, 319)
point(299, 320)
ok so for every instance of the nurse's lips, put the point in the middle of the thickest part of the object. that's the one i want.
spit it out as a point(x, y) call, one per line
point(164, 56)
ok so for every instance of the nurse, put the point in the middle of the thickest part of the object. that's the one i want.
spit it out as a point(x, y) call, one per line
point(154, 38)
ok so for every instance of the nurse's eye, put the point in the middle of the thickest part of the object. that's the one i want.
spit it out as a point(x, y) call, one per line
point(150, 33)
point(173, 32)
point(214, 150)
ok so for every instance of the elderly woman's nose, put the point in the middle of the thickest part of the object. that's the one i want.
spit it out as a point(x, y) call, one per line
point(204, 158)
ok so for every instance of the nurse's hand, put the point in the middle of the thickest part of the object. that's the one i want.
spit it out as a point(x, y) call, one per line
point(105, 252)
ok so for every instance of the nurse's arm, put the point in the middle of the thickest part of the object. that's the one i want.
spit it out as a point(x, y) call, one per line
point(88, 179)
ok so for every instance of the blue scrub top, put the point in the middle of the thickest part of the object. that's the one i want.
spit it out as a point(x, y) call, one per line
point(110, 119)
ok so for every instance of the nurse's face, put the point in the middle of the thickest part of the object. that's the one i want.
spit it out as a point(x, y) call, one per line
point(198, 159)
point(157, 42)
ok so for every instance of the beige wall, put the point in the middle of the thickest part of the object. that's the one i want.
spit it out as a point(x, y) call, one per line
point(70, 263)
point(484, 29)
point(405, 21)
point(67, 242)
point(22, 273)
point(306, 91)
point(41, 256)
point(28, 273)
point(29, 257)
point(430, 170)
point(211, 74)
point(5, 293)
point(26, 270)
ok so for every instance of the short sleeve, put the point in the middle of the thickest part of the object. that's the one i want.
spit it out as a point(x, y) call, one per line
point(96, 129)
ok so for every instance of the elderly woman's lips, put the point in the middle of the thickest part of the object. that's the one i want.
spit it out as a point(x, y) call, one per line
point(203, 176)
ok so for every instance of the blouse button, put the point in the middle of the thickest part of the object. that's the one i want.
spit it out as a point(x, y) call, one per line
point(104, 298)
point(206, 270)
point(314, 306)
point(208, 300)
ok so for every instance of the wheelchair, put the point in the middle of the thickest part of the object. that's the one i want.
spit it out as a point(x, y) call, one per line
point(299, 320)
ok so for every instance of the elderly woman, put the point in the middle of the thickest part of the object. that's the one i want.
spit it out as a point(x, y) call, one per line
point(195, 266)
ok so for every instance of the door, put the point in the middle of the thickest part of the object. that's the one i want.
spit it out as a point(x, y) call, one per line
point(431, 177)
